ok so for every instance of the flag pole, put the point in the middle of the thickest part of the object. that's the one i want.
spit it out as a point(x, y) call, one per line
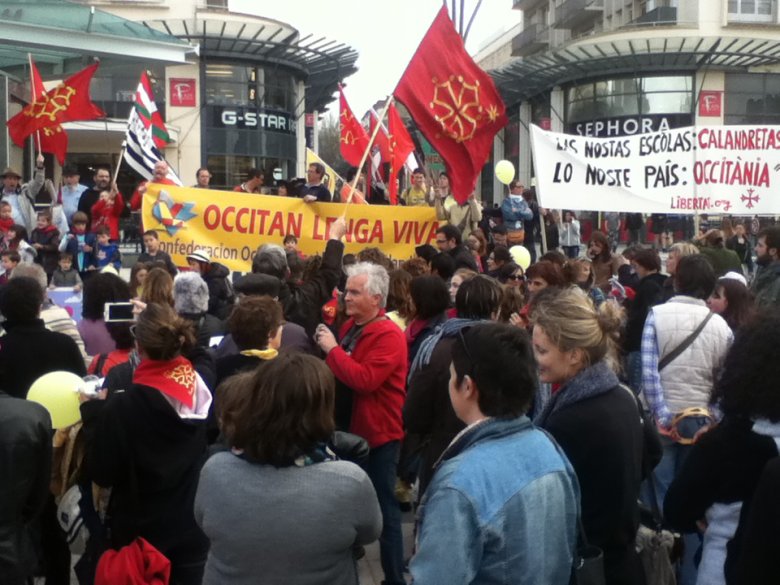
point(34, 100)
point(365, 154)
point(119, 162)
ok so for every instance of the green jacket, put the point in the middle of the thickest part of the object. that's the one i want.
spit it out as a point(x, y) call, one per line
point(723, 260)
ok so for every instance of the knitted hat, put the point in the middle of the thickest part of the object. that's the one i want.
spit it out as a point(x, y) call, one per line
point(258, 284)
point(199, 256)
point(190, 293)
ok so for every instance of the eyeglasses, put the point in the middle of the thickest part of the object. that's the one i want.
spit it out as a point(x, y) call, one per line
point(516, 277)
point(438, 241)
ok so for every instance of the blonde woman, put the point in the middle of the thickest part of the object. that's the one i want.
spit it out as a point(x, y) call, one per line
point(595, 420)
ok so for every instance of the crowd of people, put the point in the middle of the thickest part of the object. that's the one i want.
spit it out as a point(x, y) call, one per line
point(265, 429)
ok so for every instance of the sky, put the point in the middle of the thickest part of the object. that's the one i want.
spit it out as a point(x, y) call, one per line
point(384, 32)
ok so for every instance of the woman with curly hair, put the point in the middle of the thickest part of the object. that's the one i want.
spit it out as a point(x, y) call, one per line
point(715, 484)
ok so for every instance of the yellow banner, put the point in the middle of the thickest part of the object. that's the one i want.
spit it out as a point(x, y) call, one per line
point(230, 226)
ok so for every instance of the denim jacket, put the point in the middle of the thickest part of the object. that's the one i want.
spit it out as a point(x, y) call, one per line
point(502, 508)
point(515, 210)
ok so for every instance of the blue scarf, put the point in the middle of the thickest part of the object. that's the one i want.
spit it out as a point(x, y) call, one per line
point(592, 381)
point(447, 329)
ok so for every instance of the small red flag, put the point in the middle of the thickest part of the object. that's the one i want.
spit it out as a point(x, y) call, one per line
point(67, 102)
point(453, 102)
point(354, 139)
point(401, 145)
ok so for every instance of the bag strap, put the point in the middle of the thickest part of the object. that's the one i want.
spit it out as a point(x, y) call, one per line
point(686, 343)
point(101, 363)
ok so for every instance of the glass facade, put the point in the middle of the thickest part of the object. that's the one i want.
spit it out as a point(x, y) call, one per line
point(630, 96)
point(752, 98)
point(240, 85)
point(248, 122)
point(114, 90)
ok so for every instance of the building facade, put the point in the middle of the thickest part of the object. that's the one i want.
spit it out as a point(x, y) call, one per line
point(239, 102)
point(622, 67)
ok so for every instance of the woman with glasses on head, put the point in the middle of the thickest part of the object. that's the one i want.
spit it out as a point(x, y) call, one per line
point(148, 444)
point(595, 420)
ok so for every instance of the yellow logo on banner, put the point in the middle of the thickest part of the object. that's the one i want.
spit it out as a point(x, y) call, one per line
point(231, 226)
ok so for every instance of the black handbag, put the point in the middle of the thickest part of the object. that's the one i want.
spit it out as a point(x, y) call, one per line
point(588, 568)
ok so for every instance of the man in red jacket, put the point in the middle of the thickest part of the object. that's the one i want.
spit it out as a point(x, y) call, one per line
point(371, 360)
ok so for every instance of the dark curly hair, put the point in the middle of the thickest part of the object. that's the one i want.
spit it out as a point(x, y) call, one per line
point(103, 288)
point(747, 387)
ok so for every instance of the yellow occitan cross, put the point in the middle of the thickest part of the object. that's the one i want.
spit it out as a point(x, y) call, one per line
point(59, 102)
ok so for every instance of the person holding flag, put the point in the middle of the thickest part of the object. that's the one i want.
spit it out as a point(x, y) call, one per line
point(21, 198)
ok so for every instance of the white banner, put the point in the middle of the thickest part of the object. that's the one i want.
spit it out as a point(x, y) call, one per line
point(716, 169)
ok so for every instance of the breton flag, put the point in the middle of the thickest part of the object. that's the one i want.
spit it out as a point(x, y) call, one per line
point(146, 133)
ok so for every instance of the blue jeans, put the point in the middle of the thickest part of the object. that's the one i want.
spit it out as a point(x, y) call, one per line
point(571, 251)
point(381, 469)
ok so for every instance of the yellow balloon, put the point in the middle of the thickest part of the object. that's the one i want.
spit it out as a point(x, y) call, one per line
point(521, 256)
point(58, 392)
point(505, 171)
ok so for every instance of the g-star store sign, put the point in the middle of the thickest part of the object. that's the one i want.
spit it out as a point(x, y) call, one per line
point(246, 118)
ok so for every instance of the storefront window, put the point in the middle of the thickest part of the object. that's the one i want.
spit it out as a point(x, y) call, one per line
point(114, 90)
point(752, 98)
point(230, 171)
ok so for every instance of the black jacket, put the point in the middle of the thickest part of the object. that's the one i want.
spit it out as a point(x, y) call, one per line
point(161, 256)
point(649, 293)
point(428, 411)
point(302, 303)
point(25, 470)
point(206, 327)
point(759, 563)
point(606, 445)
point(724, 466)
point(152, 459)
point(29, 350)
point(87, 200)
point(221, 294)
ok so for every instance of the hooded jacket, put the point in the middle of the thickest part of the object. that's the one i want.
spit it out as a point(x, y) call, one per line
point(149, 448)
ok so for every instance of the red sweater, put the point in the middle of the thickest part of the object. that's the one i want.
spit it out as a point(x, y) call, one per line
point(104, 214)
point(376, 372)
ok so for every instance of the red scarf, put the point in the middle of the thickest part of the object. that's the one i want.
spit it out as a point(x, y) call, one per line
point(175, 378)
point(5, 224)
point(48, 229)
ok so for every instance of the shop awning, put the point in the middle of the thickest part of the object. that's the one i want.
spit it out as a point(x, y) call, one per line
point(524, 78)
point(63, 35)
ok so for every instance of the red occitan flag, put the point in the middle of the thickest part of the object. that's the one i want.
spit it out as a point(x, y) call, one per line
point(354, 139)
point(453, 102)
point(67, 102)
point(53, 138)
point(400, 144)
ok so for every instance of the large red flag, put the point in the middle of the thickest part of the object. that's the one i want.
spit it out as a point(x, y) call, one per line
point(53, 139)
point(453, 102)
point(401, 145)
point(354, 139)
point(67, 102)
